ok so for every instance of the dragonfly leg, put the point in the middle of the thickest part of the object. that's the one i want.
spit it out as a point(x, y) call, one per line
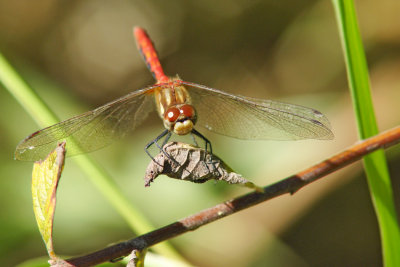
point(167, 135)
point(154, 141)
point(165, 140)
point(208, 145)
point(163, 151)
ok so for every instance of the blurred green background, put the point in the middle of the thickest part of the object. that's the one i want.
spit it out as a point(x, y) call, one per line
point(81, 54)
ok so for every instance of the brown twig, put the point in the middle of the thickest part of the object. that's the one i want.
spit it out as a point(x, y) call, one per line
point(288, 185)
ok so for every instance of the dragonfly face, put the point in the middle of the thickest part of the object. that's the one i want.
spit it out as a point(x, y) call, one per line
point(180, 119)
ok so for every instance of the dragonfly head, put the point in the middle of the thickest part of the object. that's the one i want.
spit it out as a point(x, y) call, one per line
point(180, 119)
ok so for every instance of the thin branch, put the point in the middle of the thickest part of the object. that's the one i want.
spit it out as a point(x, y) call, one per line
point(288, 185)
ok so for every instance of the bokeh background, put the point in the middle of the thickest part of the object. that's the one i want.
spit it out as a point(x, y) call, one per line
point(78, 55)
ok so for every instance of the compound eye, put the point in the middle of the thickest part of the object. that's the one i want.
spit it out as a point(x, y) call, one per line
point(187, 111)
point(172, 114)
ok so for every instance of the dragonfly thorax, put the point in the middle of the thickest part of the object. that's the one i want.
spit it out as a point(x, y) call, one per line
point(180, 119)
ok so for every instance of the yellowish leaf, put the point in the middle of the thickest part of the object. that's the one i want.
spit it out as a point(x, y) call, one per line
point(45, 177)
point(137, 258)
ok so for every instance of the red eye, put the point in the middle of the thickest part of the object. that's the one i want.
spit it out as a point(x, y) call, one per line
point(187, 110)
point(172, 114)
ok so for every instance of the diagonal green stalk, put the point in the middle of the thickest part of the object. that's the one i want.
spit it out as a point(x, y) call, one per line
point(375, 164)
point(41, 113)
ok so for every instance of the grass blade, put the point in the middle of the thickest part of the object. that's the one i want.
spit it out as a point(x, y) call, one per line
point(375, 164)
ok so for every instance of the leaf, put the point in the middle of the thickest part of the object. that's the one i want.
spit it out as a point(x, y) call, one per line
point(187, 162)
point(137, 258)
point(45, 177)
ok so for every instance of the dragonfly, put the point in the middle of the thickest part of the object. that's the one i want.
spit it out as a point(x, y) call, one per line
point(182, 106)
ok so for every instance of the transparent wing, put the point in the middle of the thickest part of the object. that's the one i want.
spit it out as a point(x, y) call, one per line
point(91, 130)
point(250, 118)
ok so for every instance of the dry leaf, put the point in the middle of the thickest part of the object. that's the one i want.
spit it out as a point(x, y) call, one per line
point(187, 162)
